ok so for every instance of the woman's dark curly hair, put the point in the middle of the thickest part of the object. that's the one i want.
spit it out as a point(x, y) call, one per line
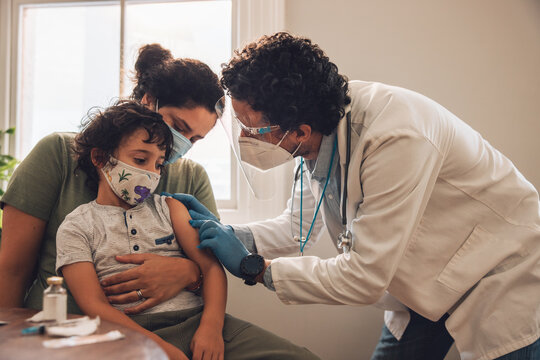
point(175, 82)
point(290, 80)
point(105, 129)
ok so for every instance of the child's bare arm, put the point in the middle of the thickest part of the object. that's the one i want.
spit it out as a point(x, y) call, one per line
point(83, 283)
point(215, 281)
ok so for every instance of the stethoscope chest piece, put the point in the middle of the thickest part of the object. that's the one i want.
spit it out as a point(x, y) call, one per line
point(345, 241)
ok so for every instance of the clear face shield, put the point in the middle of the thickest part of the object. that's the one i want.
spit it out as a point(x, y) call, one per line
point(257, 156)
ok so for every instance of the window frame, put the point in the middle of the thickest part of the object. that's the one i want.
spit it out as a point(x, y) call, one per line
point(250, 19)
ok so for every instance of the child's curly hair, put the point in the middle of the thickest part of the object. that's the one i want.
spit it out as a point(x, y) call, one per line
point(105, 129)
point(290, 80)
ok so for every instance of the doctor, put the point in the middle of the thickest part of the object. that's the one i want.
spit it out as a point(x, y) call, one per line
point(432, 222)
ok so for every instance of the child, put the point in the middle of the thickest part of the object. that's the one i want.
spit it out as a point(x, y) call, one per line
point(123, 149)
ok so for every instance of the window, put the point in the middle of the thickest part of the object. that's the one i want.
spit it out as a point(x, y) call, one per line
point(65, 67)
point(70, 61)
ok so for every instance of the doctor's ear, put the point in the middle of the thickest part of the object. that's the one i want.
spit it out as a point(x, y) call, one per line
point(303, 133)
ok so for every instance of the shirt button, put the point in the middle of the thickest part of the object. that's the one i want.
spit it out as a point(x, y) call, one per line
point(130, 216)
point(330, 196)
point(133, 231)
point(136, 247)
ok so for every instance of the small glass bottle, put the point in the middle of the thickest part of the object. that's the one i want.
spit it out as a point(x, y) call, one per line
point(55, 300)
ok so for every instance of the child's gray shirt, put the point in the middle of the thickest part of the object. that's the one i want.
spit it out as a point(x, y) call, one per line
point(97, 233)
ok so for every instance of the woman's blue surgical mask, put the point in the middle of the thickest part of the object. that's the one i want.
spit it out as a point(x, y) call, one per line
point(181, 144)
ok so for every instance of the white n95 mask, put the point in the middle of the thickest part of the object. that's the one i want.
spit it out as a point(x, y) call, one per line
point(131, 184)
point(264, 155)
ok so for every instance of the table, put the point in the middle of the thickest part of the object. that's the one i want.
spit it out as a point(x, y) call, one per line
point(13, 345)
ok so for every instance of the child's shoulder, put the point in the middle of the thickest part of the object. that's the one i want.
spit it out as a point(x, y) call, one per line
point(73, 219)
point(155, 201)
point(163, 206)
point(80, 210)
point(173, 205)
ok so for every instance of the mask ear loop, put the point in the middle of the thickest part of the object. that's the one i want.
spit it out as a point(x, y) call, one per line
point(283, 138)
point(296, 150)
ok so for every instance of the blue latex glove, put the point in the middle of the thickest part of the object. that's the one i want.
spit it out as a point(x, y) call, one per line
point(223, 243)
point(196, 209)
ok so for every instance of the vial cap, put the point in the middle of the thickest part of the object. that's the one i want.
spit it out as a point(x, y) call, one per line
point(55, 280)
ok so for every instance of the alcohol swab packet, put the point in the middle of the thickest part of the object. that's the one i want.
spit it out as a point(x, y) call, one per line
point(83, 340)
point(70, 327)
point(83, 326)
point(39, 318)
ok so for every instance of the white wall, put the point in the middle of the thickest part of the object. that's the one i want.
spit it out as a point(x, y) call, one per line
point(480, 59)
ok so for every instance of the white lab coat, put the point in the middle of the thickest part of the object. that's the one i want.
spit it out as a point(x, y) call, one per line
point(441, 221)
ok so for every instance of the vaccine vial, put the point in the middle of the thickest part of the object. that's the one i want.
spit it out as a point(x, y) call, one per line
point(55, 300)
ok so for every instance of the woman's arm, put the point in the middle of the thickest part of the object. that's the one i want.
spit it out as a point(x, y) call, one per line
point(209, 334)
point(28, 203)
point(83, 283)
point(21, 240)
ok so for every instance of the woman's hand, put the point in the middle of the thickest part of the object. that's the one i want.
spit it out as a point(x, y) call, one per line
point(207, 344)
point(158, 278)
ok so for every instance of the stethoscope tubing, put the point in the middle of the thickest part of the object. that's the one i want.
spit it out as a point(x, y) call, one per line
point(299, 173)
point(346, 171)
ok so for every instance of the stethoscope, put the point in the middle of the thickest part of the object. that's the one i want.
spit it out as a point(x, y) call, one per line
point(345, 239)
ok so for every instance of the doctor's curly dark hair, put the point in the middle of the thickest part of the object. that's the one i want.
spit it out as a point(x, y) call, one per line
point(290, 80)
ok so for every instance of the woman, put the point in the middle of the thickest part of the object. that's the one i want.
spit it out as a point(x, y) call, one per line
point(45, 188)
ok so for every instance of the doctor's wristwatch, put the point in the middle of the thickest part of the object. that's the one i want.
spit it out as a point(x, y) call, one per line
point(251, 266)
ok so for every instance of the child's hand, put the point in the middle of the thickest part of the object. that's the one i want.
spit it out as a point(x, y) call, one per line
point(207, 343)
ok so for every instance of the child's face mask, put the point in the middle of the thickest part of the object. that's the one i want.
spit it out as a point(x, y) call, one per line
point(129, 183)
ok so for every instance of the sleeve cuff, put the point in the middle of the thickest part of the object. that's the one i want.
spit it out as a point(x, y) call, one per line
point(71, 259)
point(267, 278)
point(244, 234)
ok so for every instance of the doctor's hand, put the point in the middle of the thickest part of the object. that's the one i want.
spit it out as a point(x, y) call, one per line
point(222, 241)
point(193, 205)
